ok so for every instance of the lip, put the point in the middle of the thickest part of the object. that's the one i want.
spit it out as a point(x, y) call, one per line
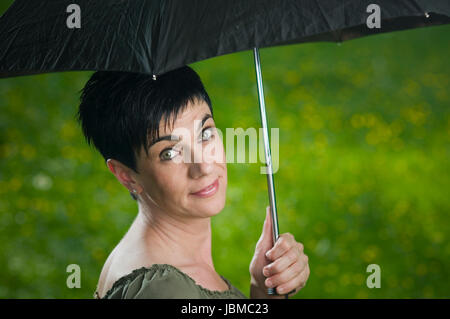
point(208, 190)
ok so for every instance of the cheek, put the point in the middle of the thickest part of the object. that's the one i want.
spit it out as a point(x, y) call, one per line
point(172, 184)
point(222, 169)
point(164, 184)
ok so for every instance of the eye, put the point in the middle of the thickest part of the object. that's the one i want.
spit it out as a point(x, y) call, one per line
point(168, 154)
point(207, 133)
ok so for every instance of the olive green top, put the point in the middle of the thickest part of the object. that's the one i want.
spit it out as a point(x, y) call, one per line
point(164, 281)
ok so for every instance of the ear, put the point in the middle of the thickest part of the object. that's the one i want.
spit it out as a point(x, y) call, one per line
point(111, 165)
point(123, 174)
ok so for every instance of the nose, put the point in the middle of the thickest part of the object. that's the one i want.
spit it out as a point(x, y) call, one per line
point(200, 166)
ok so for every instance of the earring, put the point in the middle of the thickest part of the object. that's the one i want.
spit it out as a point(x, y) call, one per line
point(134, 191)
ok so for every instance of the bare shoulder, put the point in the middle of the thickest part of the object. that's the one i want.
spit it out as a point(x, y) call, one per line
point(103, 283)
point(125, 257)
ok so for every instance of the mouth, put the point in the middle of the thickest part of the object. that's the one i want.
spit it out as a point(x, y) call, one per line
point(208, 190)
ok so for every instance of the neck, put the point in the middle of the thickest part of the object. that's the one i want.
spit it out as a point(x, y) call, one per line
point(174, 239)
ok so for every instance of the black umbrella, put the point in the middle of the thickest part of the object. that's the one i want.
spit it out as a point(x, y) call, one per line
point(157, 36)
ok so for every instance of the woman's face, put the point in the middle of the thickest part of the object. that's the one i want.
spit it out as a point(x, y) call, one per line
point(186, 176)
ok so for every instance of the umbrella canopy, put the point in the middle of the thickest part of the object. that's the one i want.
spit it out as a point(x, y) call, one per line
point(157, 36)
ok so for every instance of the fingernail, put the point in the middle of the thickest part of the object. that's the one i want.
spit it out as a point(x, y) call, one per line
point(268, 253)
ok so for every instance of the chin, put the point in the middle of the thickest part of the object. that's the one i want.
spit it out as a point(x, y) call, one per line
point(211, 206)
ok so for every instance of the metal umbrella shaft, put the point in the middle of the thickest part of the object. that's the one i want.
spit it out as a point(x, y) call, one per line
point(269, 170)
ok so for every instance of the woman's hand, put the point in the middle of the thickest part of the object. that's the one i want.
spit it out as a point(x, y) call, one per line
point(284, 266)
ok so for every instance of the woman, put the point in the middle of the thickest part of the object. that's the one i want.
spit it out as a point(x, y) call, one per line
point(159, 139)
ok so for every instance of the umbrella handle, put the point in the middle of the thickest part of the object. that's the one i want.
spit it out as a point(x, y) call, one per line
point(269, 170)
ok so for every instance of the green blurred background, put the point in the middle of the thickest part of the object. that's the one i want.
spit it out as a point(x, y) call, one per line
point(363, 178)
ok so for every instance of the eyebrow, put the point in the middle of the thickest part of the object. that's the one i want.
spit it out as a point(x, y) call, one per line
point(177, 138)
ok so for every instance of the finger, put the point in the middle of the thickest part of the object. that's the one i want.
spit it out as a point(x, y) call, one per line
point(281, 278)
point(291, 256)
point(283, 244)
point(296, 284)
point(265, 241)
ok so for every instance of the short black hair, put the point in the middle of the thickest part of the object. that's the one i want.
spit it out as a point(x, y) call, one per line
point(119, 110)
